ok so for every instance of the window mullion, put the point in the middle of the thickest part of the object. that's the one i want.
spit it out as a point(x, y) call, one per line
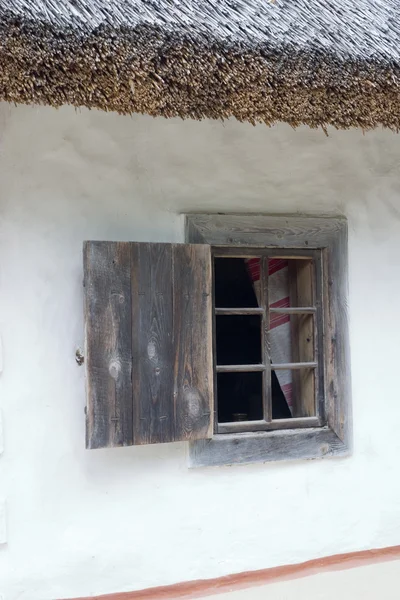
point(266, 354)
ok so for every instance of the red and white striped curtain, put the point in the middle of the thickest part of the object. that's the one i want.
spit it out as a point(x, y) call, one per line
point(278, 287)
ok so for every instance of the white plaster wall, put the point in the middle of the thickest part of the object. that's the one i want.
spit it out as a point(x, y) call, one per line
point(84, 522)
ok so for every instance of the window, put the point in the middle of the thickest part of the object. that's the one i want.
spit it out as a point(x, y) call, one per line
point(235, 341)
point(268, 348)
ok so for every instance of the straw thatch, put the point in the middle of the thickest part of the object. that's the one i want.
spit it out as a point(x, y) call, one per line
point(317, 62)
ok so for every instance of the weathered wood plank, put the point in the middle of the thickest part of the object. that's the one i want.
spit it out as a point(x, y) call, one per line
point(108, 349)
point(148, 343)
point(263, 230)
point(241, 448)
point(192, 233)
point(152, 343)
point(306, 310)
point(265, 341)
point(240, 427)
point(240, 368)
point(302, 293)
point(193, 372)
point(293, 366)
point(319, 339)
point(338, 378)
point(172, 342)
point(259, 250)
point(239, 311)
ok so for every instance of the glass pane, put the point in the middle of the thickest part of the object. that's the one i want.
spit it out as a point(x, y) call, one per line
point(291, 282)
point(238, 339)
point(233, 284)
point(295, 389)
point(239, 397)
point(291, 338)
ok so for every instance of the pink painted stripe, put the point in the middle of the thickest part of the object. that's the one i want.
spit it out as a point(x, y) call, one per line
point(277, 320)
point(282, 303)
point(253, 265)
point(276, 264)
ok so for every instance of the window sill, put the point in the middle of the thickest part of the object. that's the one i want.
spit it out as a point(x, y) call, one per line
point(266, 446)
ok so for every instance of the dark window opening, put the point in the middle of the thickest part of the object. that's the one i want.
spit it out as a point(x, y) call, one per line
point(239, 397)
point(233, 286)
point(238, 339)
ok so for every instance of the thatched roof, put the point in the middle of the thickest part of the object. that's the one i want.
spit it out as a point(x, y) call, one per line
point(301, 61)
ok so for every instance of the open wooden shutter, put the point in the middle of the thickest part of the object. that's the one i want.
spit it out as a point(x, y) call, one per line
point(148, 343)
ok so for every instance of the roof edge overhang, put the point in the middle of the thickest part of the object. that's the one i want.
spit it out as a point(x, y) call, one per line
point(175, 73)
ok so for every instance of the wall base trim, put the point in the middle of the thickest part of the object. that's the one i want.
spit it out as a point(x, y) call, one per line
point(228, 583)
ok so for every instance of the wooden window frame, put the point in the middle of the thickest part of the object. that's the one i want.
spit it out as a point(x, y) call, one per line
point(324, 238)
point(265, 367)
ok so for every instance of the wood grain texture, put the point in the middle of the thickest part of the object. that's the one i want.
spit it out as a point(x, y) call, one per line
point(254, 426)
point(265, 231)
point(240, 368)
point(259, 250)
point(337, 346)
point(321, 340)
point(108, 346)
point(192, 232)
point(239, 311)
point(306, 310)
point(293, 366)
point(264, 302)
point(172, 343)
point(241, 448)
point(193, 370)
point(152, 343)
point(149, 343)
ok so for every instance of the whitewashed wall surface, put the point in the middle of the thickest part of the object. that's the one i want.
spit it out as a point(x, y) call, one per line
point(76, 522)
